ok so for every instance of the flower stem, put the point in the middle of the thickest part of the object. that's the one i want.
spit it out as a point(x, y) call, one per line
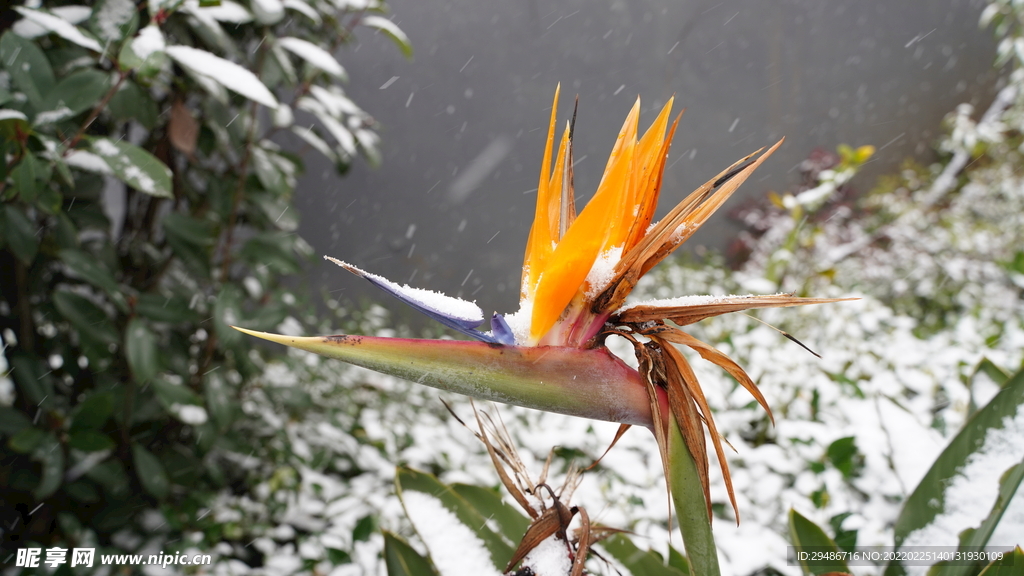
point(691, 508)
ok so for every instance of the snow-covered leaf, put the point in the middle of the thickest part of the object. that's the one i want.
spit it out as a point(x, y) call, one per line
point(304, 9)
point(226, 11)
point(136, 167)
point(113, 20)
point(11, 122)
point(314, 140)
point(60, 27)
point(334, 100)
point(209, 29)
point(346, 142)
point(315, 55)
point(230, 75)
point(27, 28)
point(144, 53)
point(390, 29)
point(456, 535)
point(964, 481)
point(267, 11)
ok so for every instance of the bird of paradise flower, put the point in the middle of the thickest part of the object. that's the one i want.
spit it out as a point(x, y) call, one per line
point(577, 272)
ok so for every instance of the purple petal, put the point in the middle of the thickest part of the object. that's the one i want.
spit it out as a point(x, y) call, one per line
point(501, 331)
point(455, 313)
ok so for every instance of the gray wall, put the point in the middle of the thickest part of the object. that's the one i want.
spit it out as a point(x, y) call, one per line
point(475, 101)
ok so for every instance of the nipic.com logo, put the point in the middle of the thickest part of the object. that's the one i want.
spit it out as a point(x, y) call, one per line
point(86, 557)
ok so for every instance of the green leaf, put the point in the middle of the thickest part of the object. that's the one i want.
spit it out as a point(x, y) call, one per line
point(928, 500)
point(160, 308)
point(132, 102)
point(150, 472)
point(171, 394)
point(20, 234)
point(26, 177)
point(50, 454)
point(13, 123)
point(402, 560)
point(807, 537)
point(30, 373)
point(638, 561)
point(87, 267)
point(267, 173)
point(845, 457)
point(677, 560)
point(691, 508)
point(489, 504)
point(88, 318)
point(227, 312)
point(391, 30)
point(78, 91)
point(407, 480)
point(12, 421)
point(93, 412)
point(218, 399)
point(135, 167)
point(190, 239)
point(26, 440)
point(271, 250)
point(141, 349)
point(364, 528)
point(111, 476)
point(90, 441)
point(28, 67)
point(1012, 566)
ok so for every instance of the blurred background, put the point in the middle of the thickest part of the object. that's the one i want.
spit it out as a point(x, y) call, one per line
point(463, 124)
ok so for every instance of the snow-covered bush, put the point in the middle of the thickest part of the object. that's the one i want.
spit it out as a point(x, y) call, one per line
point(144, 208)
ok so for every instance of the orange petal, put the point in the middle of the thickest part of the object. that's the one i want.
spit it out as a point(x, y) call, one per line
point(571, 261)
point(539, 243)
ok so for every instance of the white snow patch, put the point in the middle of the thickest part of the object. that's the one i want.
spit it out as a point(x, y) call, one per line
point(449, 305)
point(190, 413)
point(680, 301)
point(149, 41)
point(519, 322)
point(53, 116)
point(227, 73)
point(84, 160)
point(454, 548)
point(603, 271)
point(549, 558)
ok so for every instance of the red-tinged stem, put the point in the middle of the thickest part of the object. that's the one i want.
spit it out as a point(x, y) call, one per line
point(586, 383)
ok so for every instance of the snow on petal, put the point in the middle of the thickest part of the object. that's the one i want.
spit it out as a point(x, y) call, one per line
point(227, 73)
point(454, 313)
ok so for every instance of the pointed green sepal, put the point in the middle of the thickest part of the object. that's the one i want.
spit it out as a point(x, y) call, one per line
point(586, 383)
